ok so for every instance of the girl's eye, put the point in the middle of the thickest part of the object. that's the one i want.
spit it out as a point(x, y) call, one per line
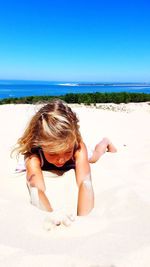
point(69, 152)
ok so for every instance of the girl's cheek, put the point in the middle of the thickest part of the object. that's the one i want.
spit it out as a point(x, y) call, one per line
point(68, 157)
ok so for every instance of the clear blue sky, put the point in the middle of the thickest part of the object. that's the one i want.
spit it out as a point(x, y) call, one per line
point(75, 40)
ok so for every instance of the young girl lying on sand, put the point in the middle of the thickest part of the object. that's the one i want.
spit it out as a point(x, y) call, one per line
point(52, 142)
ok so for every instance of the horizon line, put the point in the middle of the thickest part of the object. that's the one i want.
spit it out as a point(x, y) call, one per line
point(73, 81)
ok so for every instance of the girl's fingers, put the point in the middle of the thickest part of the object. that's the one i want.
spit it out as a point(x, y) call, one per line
point(55, 219)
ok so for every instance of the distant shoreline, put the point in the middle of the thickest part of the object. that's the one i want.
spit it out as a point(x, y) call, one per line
point(115, 84)
point(73, 83)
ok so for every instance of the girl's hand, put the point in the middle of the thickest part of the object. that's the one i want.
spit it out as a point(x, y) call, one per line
point(57, 218)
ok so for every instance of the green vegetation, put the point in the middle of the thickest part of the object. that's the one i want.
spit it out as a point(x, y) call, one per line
point(89, 98)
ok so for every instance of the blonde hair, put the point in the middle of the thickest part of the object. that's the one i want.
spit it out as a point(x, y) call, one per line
point(54, 128)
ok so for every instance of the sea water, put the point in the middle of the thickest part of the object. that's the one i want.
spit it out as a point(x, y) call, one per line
point(17, 88)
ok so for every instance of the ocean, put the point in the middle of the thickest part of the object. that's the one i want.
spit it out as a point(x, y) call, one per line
point(17, 88)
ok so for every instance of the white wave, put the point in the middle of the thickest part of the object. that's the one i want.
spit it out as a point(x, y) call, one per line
point(68, 84)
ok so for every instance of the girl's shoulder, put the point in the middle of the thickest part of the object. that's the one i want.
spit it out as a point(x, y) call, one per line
point(81, 151)
point(32, 163)
point(32, 158)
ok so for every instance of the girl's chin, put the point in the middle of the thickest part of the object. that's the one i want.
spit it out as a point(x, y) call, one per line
point(59, 165)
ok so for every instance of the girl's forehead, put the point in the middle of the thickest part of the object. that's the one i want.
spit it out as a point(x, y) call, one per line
point(49, 149)
point(68, 150)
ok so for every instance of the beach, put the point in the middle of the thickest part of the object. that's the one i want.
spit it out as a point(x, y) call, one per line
point(117, 232)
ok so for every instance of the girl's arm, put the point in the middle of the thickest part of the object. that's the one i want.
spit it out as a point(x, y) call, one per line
point(83, 178)
point(35, 182)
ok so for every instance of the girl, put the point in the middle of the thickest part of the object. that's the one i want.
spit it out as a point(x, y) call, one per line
point(52, 141)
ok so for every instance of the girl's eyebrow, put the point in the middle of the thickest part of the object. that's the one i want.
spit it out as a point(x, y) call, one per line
point(65, 152)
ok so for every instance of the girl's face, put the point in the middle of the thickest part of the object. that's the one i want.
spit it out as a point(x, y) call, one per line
point(59, 159)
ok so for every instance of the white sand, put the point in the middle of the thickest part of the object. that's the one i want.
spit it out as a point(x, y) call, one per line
point(117, 232)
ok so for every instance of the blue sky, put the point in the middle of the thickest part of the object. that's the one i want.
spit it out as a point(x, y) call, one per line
point(75, 40)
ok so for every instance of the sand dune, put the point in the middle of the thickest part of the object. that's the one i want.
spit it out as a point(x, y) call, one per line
point(117, 232)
